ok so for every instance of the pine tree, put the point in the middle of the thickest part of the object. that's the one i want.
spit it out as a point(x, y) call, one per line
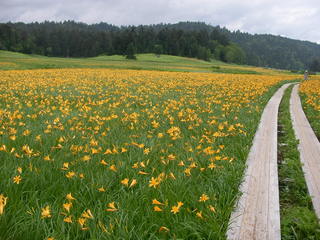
point(131, 51)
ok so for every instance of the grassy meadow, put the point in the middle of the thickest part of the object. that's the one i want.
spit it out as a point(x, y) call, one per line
point(95, 149)
point(11, 61)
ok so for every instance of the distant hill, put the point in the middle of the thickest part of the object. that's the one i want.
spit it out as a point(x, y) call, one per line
point(276, 51)
point(264, 49)
point(189, 39)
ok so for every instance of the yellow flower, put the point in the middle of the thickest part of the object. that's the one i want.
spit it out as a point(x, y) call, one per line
point(157, 209)
point(67, 206)
point(69, 197)
point(46, 158)
point(133, 183)
point(154, 182)
point(103, 162)
point(19, 169)
point(87, 214)
point(26, 149)
point(65, 166)
point(3, 202)
point(175, 209)
point(156, 202)
point(94, 151)
point(160, 135)
point(180, 204)
point(187, 171)
point(155, 124)
point(108, 151)
point(125, 181)
point(82, 221)
point(101, 189)
point(123, 150)
point(199, 214)
point(212, 209)
point(112, 207)
point(163, 229)
point(181, 163)
point(211, 166)
point(70, 174)
point(17, 179)
point(140, 145)
point(68, 219)
point(146, 151)
point(203, 198)
point(13, 137)
point(86, 158)
point(45, 212)
point(174, 132)
point(172, 175)
point(113, 168)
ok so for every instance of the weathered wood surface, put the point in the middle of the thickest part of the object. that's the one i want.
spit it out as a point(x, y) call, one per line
point(257, 214)
point(309, 148)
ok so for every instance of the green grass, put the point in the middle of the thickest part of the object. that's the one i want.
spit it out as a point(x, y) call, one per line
point(298, 219)
point(219, 69)
point(12, 60)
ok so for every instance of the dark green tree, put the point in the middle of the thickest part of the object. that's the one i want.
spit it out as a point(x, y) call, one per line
point(131, 51)
point(203, 53)
point(158, 49)
point(315, 65)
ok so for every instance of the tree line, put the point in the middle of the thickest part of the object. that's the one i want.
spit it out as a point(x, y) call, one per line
point(277, 52)
point(73, 39)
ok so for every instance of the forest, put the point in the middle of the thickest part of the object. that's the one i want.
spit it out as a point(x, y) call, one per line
point(188, 39)
point(71, 39)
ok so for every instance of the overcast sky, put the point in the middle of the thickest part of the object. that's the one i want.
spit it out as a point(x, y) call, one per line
point(298, 19)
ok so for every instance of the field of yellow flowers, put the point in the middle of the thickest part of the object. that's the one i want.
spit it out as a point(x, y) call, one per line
point(310, 93)
point(124, 154)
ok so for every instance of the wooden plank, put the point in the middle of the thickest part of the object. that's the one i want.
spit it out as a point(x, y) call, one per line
point(257, 213)
point(309, 148)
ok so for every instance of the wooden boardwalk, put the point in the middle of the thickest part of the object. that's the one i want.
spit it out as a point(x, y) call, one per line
point(309, 148)
point(257, 214)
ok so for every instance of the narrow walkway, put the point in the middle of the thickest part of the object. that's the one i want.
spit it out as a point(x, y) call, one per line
point(309, 148)
point(257, 214)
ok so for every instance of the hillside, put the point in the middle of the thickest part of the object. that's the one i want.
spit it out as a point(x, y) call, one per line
point(276, 51)
point(187, 39)
point(15, 61)
point(264, 50)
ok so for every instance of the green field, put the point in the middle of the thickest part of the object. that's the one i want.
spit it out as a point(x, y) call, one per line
point(11, 61)
point(145, 154)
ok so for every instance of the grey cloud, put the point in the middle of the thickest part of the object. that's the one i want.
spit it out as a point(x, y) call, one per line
point(295, 18)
